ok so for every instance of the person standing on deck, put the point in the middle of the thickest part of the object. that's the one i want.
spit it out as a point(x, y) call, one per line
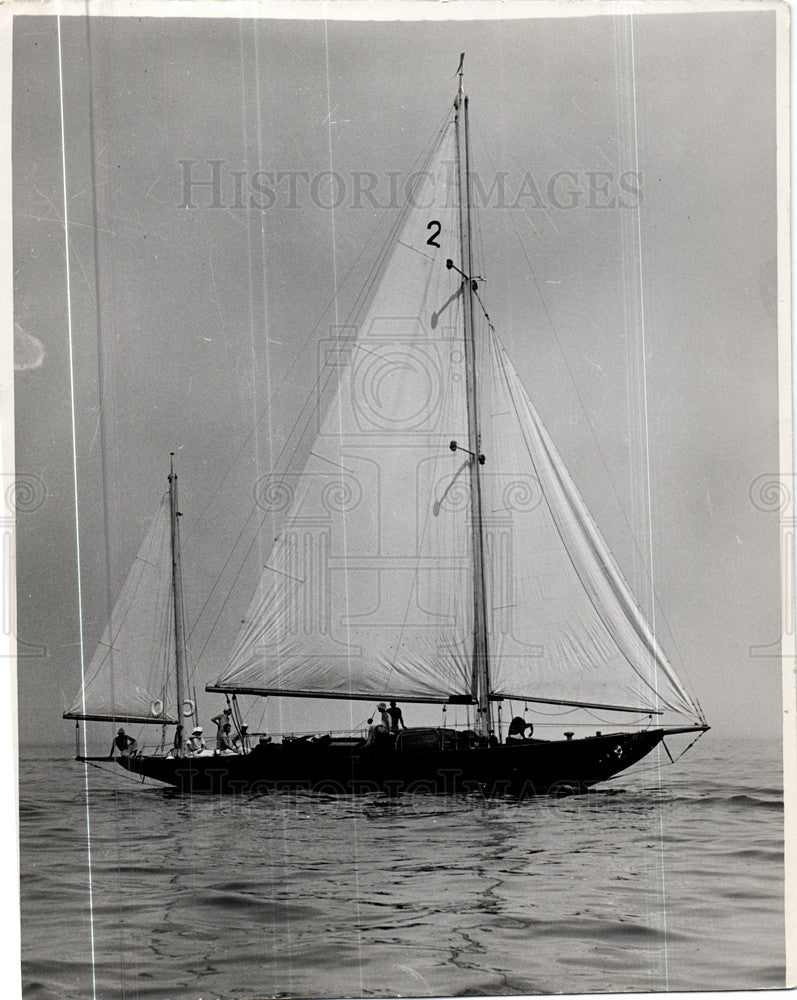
point(396, 718)
point(220, 720)
point(224, 743)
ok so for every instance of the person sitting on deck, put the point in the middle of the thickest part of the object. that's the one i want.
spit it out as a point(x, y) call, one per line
point(396, 718)
point(126, 745)
point(517, 730)
point(241, 741)
point(376, 733)
point(196, 744)
point(262, 747)
point(384, 718)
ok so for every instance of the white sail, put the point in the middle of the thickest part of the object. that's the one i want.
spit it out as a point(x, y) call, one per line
point(369, 589)
point(564, 625)
point(131, 676)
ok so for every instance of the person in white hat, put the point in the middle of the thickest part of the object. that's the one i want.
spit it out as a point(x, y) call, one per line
point(196, 744)
point(376, 733)
point(384, 717)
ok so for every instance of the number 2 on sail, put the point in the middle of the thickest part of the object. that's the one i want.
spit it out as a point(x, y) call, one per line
point(432, 241)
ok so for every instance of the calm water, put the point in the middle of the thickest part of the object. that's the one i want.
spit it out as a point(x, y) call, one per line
point(670, 880)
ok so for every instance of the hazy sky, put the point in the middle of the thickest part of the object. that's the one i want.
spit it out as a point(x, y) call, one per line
point(645, 152)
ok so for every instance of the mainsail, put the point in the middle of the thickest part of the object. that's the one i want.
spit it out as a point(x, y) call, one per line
point(369, 589)
point(131, 676)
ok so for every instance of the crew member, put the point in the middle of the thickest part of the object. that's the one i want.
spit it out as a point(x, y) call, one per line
point(124, 744)
point(224, 743)
point(220, 720)
point(517, 730)
point(241, 742)
point(196, 743)
point(396, 718)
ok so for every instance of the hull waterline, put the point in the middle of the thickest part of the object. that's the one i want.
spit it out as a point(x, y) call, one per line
point(524, 769)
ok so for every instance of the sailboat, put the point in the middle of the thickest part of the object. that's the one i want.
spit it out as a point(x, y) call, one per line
point(433, 550)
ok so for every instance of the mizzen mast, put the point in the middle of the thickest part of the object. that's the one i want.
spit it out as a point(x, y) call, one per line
point(481, 670)
point(177, 592)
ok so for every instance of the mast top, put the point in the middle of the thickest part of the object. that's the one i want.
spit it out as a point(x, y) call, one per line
point(460, 71)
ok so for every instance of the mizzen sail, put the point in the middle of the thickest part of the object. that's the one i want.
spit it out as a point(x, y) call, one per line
point(131, 676)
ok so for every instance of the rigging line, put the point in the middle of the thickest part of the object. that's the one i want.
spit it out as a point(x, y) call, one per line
point(267, 409)
point(75, 479)
point(643, 332)
point(310, 411)
point(252, 511)
point(631, 533)
point(665, 939)
point(101, 362)
point(423, 156)
point(312, 395)
point(376, 272)
point(541, 205)
point(612, 722)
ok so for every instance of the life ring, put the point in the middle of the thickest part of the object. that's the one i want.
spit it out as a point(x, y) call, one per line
point(188, 708)
point(156, 707)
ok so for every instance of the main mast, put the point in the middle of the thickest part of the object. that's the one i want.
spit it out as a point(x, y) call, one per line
point(481, 670)
point(177, 592)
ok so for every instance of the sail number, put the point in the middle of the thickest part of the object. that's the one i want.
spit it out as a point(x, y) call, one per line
point(436, 228)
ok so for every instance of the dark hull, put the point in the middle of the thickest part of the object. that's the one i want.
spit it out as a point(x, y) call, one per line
point(534, 768)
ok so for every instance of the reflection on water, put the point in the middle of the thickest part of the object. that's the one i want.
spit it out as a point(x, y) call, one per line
point(636, 887)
